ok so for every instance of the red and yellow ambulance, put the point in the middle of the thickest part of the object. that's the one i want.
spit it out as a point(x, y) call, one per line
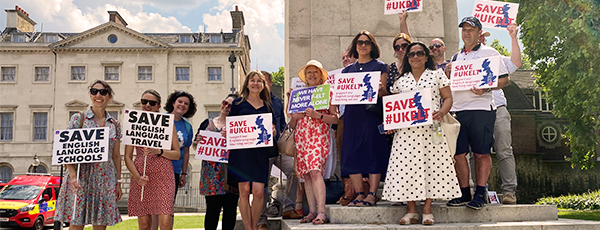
point(29, 201)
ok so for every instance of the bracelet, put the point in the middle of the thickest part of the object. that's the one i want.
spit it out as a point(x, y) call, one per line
point(119, 181)
point(184, 174)
point(161, 152)
point(321, 116)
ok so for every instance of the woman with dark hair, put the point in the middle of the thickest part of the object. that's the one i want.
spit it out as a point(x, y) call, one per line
point(249, 168)
point(401, 41)
point(182, 105)
point(98, 187)
point(364, 149)
point(213, 179)
point(158, 181)
point(418, 169)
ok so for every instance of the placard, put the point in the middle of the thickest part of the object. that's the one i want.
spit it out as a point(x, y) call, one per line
point(148, 129)
point(331, 76)
point(76, 146)
point(407, 109)
point(212, 147)
point(356, 88)
point(494, 14)
point(297, 83)
point(397, 6)
point(481, 73)
point(493, 196)
point(315, 97)
point(249, 131)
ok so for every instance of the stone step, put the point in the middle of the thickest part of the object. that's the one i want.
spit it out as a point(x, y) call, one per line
point(384, 213)
point(560, 224)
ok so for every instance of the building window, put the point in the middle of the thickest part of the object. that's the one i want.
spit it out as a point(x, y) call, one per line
point(182, 73)
point(215, 38)
point(549, 134)
point(8, 73)
point(145, 73)
point(212, 114)
point(77, 73)
point(38, 169)
point(214, 74)
point(6, 126)
point(50, 38)
point(111, 73)
point(112, 38)
point(40, 125)
point(185, 39)
point(114, 114)
point(18, 38)
point(6, 173)
point(42, 73)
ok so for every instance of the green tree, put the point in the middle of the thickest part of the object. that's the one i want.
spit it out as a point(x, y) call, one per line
point(278, 77)
point(526, 64)
point(562, 38)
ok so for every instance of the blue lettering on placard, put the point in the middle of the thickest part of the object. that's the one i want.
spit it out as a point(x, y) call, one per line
point(263, 136)
point(368, 93)
point(420, 116)
point(488, 78)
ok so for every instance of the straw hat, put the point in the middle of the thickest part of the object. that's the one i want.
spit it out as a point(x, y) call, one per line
point(315, 63)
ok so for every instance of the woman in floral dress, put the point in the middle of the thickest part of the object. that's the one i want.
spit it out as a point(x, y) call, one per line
point(312, 144)
point(98, 187)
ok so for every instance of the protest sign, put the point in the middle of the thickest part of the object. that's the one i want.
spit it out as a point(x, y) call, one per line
point(315, 97)
point(212, 147)
point(148, 129)
point(356, 88)
point(331, 76)
point(249, 131)
point(397, 6)
point(297, 83)
point(75, 146)
point(407, 109)
point(494, 14)
point(481, 73)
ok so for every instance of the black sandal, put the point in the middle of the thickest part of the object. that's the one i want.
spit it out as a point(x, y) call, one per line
point(355, 202)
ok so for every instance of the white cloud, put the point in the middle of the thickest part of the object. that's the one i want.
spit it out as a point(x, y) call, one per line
point(261, 18)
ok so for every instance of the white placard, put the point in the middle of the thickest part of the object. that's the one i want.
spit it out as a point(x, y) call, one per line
point(331, 77)
point(407, 109)
point(297, 83)
point(76, 146)
point(482, 73)
point(356, 88)
point(494, 14)
point(148, 129)
point(493, 197)
point(397, 6)
point(250, 131)
point(212, 147)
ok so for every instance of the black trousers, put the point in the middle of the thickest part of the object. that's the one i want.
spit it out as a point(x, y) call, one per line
point(229, 203)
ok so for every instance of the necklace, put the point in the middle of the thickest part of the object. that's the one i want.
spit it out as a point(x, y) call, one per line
point(360, 66)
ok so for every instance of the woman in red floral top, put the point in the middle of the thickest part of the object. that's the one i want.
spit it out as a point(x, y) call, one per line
point(213, 184)
point(312, 144)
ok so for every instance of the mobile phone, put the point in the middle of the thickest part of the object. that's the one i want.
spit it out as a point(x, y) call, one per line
point(381, 130)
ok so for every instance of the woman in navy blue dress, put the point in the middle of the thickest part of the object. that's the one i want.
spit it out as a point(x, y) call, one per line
point(249, 168)
point(364, 149)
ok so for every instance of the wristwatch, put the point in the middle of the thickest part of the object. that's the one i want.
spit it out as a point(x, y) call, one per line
point(161, 153)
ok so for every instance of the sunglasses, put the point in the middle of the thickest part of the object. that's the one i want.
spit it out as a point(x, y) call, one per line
point(400, 47)
point(418, 54)
point(226, 104)
point(94, 91)
point(365, 42)
point(436, 45)
point(145, 101)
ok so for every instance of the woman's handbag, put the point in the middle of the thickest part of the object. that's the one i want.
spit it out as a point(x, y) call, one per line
point(451, 128)
point(286, 142)
point(334, 190)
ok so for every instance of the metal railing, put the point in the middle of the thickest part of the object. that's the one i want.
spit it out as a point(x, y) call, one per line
point(186, 197)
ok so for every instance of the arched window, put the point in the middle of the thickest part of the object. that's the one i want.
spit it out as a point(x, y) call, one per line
point(549, 134)
point(6, 173)
point(39, 169)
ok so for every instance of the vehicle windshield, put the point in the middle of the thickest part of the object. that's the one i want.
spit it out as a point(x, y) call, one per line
point(20, 192)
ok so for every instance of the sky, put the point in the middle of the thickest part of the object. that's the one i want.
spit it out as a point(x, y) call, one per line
point(264, 20)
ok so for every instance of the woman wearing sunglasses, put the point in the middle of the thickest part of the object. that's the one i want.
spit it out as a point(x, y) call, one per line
point(418, 169)
point(158, 181)
point(399, 45)
point(364, 149)
point(213, 179)
point(98, 187)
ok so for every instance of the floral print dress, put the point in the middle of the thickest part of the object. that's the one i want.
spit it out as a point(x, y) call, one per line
point(312, 144)
point(96, 202)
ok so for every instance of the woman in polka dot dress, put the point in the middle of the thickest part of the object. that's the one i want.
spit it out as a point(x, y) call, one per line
point(418, 169)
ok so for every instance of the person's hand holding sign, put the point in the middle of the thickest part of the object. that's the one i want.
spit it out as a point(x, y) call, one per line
point(142, 181)
point(74, 183)
point(512, 30)
point(477, 91)
point(312, 113)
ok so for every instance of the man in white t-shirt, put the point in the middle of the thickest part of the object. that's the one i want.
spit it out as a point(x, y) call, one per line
point(476, 111)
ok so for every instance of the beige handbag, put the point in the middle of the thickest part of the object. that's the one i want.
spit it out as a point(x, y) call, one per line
point(451, 127)
point(286, 142)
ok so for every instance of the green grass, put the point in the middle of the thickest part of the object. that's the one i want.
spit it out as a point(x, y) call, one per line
point(586, 201)
point(181, 222)
point(579, 215)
